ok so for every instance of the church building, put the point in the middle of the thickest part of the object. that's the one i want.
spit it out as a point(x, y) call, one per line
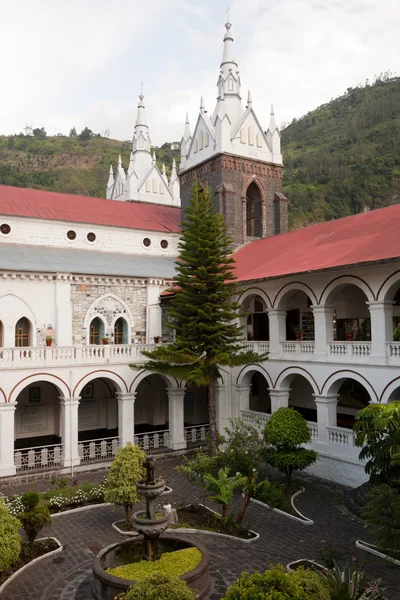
point(83, 285)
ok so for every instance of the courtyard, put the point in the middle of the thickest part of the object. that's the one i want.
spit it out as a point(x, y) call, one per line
point(67, 576)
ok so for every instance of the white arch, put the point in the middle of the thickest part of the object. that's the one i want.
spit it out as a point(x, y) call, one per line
point(350, 280)
point(245, 375)
point(284, 379)
point(91, 312)
point(253, 291)
point(105, 326)
point(119, 382)
point(170, 382)
point(59, 383)
point(334, 381)
point(387, 286)
point(16, 307)
point(389, 389)
point(295, 286)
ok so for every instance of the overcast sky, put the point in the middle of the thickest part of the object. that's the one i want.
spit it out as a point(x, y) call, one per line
point(80, 63)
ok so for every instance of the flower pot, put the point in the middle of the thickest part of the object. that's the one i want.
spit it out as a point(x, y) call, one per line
point(156, 340)
point(298, 335)
point(49, 342)
point(349, 336)
point(105, 342)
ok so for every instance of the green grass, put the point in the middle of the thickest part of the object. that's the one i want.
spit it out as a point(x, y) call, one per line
point(173, 563)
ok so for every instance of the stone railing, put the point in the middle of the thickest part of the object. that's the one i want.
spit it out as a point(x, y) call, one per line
point(195, 435)
point(38, 458)
point(253, 417)
point(259, 347)
point(99, 450)
point(393, 350)
point(350, 351)
point(298, 348)
point(153, 441)
point(341, 436)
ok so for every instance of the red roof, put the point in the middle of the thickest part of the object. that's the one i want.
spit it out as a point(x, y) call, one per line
point(367, 237)
point(24, 202)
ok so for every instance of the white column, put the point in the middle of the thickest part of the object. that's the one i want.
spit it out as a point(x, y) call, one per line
point(243, 397)
point(326, 414)
point(381, 329)
point(69, 431)
point(279, 398)
point(176, 418)
point(126, 417)
point(7, 466)
point(277, 331)
point(323, 325)
point(154, 314)
point(223, 406)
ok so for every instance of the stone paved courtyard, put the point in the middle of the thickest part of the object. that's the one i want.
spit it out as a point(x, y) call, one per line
point(67, 576)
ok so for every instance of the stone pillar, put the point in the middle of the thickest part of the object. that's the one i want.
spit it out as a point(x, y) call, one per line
point(279, 398)
point(69, 431)
point(223, 406)
point(381, 329)
point(7, 411)
point(277, 331)
point(126, 417)
point(281, 213)
point(323, 326)
point(176, 418)
point(243, 397)
point(263, 219)
point(326, 414)
point(244, 219)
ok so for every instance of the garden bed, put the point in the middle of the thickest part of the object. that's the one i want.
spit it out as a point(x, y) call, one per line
point(289, 509)
point(378, 551)
point(41, 549)
point(123, 528)
point(198, 519)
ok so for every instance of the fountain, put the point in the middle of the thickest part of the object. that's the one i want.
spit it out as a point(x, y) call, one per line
point(151, 524)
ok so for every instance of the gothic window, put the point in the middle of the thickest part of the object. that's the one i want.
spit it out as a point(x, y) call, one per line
point(201, 140)
point(259, 140)
point(96, 331)
point(253, 211)
point(196, 145)
point(230, 85)
point(121, 331)
point(140, 142)
point(242, 136)
point(154, 185)
point(23, 333)
point(207, 140)
point(251, 136)
point(148, 186)
point(161, 188)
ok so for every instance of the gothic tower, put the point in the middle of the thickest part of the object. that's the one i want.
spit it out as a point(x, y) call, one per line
point(241, 162)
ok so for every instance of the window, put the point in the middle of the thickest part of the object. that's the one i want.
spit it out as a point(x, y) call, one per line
point(147, 242)
point(164, 244)
point(140, 142)
point(23, 333)
point(242, 136)
point(5, 229)
point(154, 185)
point(201, 140)
point(196, 145)
point(121, 331)
point(161, 188)
point(230, 85)
point(91, 237)
point(259, 140)
point(148, 186)
point(96, 332)
point(207, 140)
point(251, 136)
point(71, 235)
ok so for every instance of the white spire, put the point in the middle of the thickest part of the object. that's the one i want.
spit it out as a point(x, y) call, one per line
point(110, 183)
point(228, 56)
point(249, 99)
point(174, 174)
point(141, 113)
point(187, 134)
point(119, 162)
point(164, 174)
point(201, 105)
point(131, 167)
point(154, 156)
point(272, 123)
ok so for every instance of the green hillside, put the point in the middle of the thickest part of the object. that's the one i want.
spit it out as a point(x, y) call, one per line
point(344, 156)
point(339, 159)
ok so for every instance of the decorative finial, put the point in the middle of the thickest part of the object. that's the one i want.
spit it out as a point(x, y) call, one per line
point(228, 8)
point(272, 110)
point(201, 104)
point(111, 170)
point(187, 118)
point(249, 99)
point(141, 88)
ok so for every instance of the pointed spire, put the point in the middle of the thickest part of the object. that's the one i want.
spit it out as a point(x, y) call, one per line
point(164, 173)
point(119, 162)
point(187, 133)
point(154, 156)
point(131, 167)
point(110, 177)
point(201, 105)
point(174, 174)
point(163, 169)
point(141, 113)
point(249, 99)
point(272, 123)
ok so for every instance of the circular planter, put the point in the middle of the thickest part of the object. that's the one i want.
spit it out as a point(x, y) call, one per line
point(152, 528)
point(106, 586)
point(152, 492)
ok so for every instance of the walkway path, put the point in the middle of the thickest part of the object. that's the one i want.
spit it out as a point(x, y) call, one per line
point(67, 576)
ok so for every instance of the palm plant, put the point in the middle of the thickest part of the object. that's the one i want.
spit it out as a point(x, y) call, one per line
point(223, 487)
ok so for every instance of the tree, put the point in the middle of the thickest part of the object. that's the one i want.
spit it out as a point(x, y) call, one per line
point(378, 435)
point(35, 517)
point(284, 433)
point(382, 513)
point(72, 132)
point(160, 587)
point(10, 540)
point(125, 471)
point(85, 134)
point(202, 311)
point(39, 132)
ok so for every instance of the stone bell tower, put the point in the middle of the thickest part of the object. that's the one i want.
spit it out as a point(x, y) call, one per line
point(241, 162)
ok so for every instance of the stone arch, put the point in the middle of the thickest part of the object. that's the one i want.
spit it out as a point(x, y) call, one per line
point(107, 316)
point(294, 286)
point(246, 184)
point(170, 382)
point(387, 287)
point(334, 381)
point(118, 381)
point(285, 377)
point(255, 291)
point(14, 307)
point(4, 394)
point(389, 389)
point(346, 279)
point(54, 380)
point(245, 375)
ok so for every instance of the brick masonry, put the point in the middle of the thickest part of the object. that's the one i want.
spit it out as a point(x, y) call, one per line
point(229, 177)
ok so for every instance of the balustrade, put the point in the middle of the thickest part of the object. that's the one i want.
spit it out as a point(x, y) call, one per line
point(253, 417)
point(155, 441)
point(38, 458)
point(98, 450)
point(195, 435)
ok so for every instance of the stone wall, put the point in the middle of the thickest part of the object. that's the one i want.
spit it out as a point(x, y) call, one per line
point(125, 300)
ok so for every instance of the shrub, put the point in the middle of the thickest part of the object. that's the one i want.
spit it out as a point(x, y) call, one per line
point(223, 487)
point(274, 584)
point(311, 582)
point(273, 494)
point(382, 513)
point(30, 500)
point(10, 540)
point(284, 432)
point(35, 518)
point(160, 587)
point(125, 471)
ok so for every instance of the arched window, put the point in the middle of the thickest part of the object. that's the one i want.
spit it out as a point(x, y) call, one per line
point(161, 188)
point(251, 136)
point(96, 331)
point(196, 145)
point(230, 85)
point(141, 143)
point(207, 141)
point(253, 211)
point(23, 333)
point(242, 136)
point(148, 186)
point(201, 140)
point(259, 140)
point(121, 331)
point(154, 185)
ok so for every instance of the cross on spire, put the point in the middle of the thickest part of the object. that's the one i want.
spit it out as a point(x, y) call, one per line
point(141, 88)
point(228, 8)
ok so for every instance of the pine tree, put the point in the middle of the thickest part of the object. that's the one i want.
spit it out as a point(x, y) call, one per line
point(203, 313)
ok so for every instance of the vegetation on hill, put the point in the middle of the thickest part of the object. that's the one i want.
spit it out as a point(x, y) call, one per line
point(340, 159)
point(344, 157)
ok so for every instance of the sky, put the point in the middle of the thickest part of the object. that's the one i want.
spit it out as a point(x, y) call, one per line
point(81, 63)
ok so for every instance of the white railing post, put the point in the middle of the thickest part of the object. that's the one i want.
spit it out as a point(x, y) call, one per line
point(7, 465)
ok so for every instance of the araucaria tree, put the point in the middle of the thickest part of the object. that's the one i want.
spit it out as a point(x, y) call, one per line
point(203, 312)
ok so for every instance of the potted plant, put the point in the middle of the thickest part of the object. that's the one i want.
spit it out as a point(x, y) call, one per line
point(396, 333)
point(349, 330)
point(49, 340)
point(298, 332)
point(105, 340)
point(156, 339)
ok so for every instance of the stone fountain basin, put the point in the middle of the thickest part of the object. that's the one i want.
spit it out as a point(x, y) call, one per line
point(106, 586)
point(151, 528)
point(150, 490)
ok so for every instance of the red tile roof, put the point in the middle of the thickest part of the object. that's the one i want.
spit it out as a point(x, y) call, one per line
point(24, 202)
point(367, 237)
